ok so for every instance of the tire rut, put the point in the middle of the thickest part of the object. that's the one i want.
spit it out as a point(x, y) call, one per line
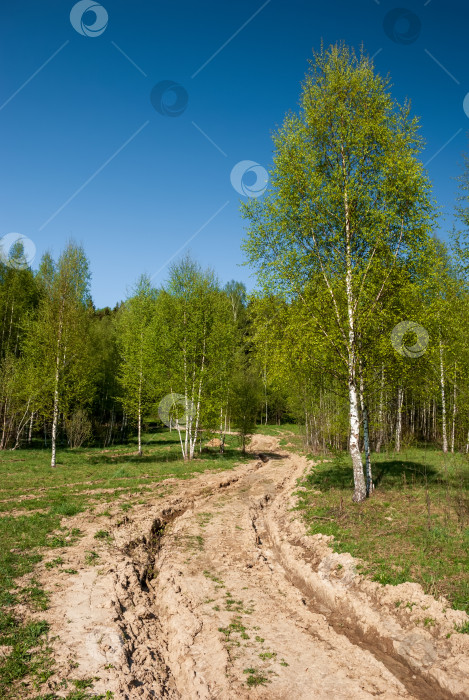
point(223, 634)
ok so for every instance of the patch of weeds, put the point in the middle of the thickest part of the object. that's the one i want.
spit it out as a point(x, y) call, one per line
point(216, 607)
point(20, 662)
point(58, 561)
point(215, 579)
point(261, 640)
point(83, 683)
point(126, 507)
point(267, 655)
point(283, 663)
point(204, 518)
point(91, 558)
point(70, 571)
point(107, 513)
point(233, 605)
point(57, 541)
point(410, 605)
point(35, 595)
point(463, 628)
point(255, 677)
point(68, 508)
point(429, 621)
point(397, 603)
point(234, 627)
point(193, 542)
point(102, 535)
point(67, 539)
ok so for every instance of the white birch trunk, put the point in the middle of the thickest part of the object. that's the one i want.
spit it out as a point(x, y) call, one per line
point(453, 427)
point(380, 412)
point(366, 439)
point(358, 476)
point(400, 400)
point(55, 413)
point(30, 431)
point(443, 400)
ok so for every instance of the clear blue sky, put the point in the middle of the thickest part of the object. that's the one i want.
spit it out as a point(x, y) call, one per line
point(147, 198)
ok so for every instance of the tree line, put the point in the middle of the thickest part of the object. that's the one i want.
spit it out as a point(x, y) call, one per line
point(357, 330)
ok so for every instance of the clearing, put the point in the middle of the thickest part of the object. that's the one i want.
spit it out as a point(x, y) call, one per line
point(217, 591)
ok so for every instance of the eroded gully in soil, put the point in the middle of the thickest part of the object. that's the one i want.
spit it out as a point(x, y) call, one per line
point(219, 594)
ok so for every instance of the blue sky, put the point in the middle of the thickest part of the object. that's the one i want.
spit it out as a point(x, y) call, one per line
point(87, 156)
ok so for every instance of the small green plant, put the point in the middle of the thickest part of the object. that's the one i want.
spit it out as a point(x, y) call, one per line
point(91, 558)
point(83, 683)
point(429, 621)
point(55, 562)
point(70, 571)
point(102, 535)
point(283, 663)
point(235, 626)
point(215, 579)
point(463, 628)
point(259, 639)
point(255, 677)
point(204, 518)
point(267, 655)
point(35, 595)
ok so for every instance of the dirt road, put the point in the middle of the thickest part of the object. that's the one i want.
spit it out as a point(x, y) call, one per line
point(216, 592)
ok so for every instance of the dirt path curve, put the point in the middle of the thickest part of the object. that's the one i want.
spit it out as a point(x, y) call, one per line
point(219, 594)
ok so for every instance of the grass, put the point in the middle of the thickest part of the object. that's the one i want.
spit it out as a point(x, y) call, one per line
point(415, 527)
point(255, 677)
point(33, 500)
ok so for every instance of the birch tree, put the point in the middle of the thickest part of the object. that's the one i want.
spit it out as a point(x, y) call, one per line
point(348, 199)
point(137, 352)
point(196, 344)
point(56, 347)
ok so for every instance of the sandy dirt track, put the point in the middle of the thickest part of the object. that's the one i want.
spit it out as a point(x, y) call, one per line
point(216, 592)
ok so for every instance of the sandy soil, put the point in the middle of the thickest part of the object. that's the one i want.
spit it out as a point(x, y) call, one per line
point(216, 592)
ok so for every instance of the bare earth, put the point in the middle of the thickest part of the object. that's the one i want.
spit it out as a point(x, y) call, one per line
point(216, 592)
